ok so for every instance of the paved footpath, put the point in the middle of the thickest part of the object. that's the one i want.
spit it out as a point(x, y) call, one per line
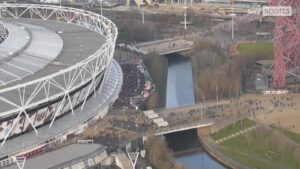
point(235, 134)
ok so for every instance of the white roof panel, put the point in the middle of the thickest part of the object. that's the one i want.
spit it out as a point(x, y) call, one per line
point(152, 116)
point(162, 124)
point(148, 112)
point(158, 120)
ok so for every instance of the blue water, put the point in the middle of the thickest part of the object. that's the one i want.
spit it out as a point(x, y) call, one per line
point(198, 160)
point(180, 92)
point(180, 89)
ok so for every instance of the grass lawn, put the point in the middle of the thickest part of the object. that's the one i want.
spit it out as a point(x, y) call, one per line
point(256, 48)
point(291, 135)
point(258, 149)
point(249, 161)
point(239, 126)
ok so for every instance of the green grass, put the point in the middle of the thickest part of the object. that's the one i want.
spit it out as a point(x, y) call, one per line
point(248, 161)
point(291, 135)
point(250, 149)
point(231, 129)
point(264, 49)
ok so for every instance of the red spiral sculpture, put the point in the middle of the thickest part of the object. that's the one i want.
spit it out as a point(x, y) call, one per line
point(286, 43)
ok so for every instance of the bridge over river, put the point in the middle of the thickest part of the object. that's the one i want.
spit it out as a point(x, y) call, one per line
point(162, 47)
point(186, 117)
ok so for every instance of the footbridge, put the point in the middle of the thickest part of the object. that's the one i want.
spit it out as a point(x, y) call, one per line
point(183, 127)
point(200, 115)
point(163, 47)
point(169, 120)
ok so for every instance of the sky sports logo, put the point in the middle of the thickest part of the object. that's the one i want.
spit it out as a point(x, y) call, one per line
point(272, 11)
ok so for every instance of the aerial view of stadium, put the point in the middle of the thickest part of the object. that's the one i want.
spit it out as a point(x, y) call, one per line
point(149, 84)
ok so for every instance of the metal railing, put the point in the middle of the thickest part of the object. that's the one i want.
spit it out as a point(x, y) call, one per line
point(61, 84)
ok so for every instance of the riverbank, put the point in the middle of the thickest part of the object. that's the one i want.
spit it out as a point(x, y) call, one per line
point(158, 68)
point(160, 156)
point(195, 74)
point(215, 72)
point(263, 148)
point(210, 147)
point(188, 151)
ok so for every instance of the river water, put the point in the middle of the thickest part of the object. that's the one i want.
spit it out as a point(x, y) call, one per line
point(189, 152)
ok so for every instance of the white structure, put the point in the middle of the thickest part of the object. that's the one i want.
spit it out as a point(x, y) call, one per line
point(51, 1)
point(20, 161)
point(133, 156)
point(91, 84)
point(84, 72)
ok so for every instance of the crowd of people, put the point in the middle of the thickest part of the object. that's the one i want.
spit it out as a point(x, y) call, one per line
point(133, 84)
point(253, 106)
point(283, 101)
point(126, 56)
point(112, 166)
point(137, 84)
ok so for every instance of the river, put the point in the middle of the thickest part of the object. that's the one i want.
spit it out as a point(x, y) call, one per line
point(188, 151)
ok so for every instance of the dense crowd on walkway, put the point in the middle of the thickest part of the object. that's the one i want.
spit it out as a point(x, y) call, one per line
point(126, 56)
point(253, 106)
point(137, 84)
point(112, 166)
point(133, 85)
point(283, 101)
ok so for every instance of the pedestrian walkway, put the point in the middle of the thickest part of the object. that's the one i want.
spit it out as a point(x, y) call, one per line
point(235, 134)
point(162, 47)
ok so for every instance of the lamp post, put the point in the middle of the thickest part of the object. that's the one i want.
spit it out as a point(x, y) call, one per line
point(101, 3)
point(217, 94)
point(201, 113)
point(119, 132)
point(143, 17)
point(232, 23)
point(123, 111)
point(185, 7)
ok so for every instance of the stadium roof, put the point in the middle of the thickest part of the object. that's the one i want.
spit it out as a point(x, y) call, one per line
point(78, 44)
point(69, 122)
point(59, 156)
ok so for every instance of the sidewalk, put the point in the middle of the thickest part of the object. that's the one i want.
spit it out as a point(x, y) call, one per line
point(235, 134)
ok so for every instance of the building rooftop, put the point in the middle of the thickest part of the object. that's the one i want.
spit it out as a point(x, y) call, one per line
point(59, 156)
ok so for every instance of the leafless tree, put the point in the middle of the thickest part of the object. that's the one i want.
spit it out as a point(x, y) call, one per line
point(159, 154)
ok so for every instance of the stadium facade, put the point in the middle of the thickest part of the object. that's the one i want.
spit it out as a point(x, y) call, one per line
point(58, 76)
